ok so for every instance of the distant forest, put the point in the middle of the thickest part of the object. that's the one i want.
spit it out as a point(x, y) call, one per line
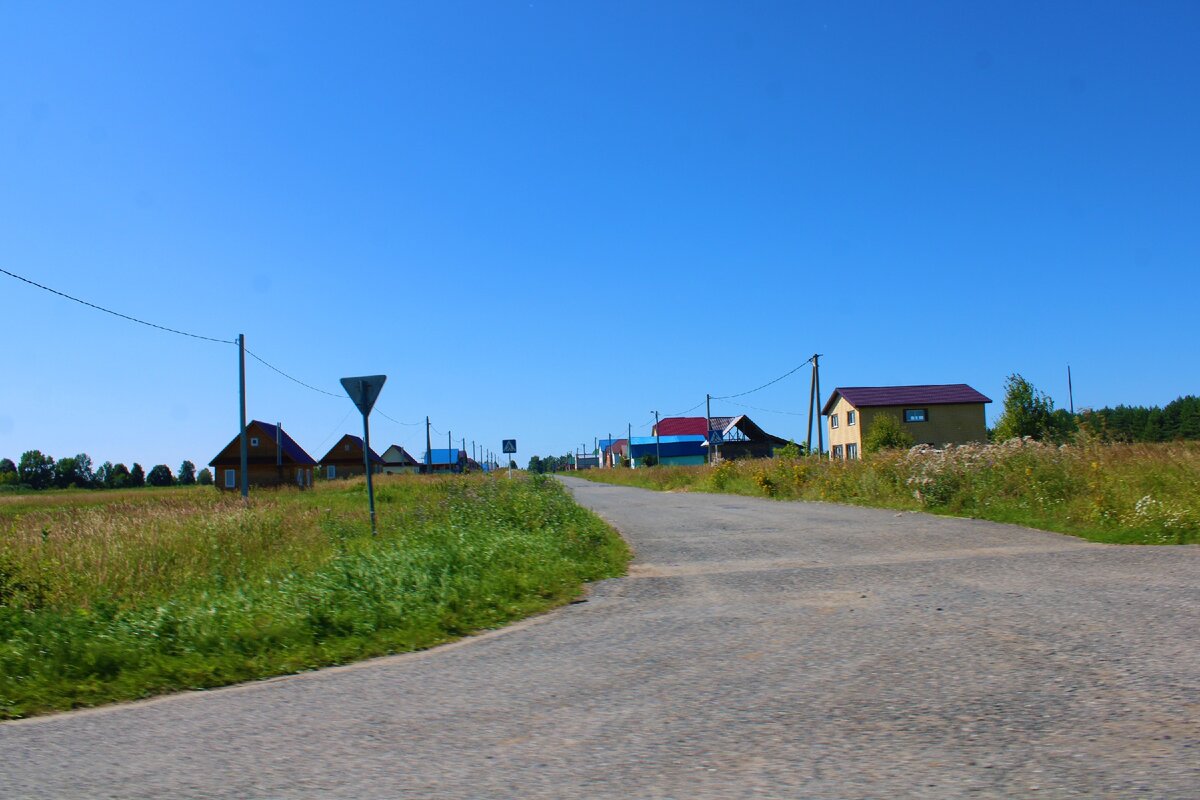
point(1180, 419)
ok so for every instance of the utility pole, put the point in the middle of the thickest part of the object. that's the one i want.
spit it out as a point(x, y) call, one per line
point(428, 448)
point(820, 427)
point(610, 447)
point(708, 425)
point(629, 443)
point(1070, 390)
point(242, 409)
point(449, 447)
point(814, 392)
point(657, 443)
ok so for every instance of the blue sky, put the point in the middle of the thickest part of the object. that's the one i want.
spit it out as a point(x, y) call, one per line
point(546, 221)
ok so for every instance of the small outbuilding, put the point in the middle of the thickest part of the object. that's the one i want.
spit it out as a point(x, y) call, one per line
point(934, 414)
point(345, 459)
point(273, 459)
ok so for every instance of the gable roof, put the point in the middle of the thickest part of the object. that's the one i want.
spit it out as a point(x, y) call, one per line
point(721, 426)
point(337, 454)
point(682, 426)
point(397, 455)
point(265, 430)
point(926, 395)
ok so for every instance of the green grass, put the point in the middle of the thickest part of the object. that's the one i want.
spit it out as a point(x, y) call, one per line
point(120, 595)
point(1118, 493)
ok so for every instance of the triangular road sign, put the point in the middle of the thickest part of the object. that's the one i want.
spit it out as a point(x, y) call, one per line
point(363, 390)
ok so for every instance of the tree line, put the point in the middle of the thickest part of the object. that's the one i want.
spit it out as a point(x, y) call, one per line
point(36, 471)
point(1030, 412)
point(543, 464)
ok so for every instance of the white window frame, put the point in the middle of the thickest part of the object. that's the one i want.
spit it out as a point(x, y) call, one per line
point(851, 451)
point(231, 479)
point(836, 452)
point(833, 420)
point(851, 417)
point(254, 441)
point(924, 412)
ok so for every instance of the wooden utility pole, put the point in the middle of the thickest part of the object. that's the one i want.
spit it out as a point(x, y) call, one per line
point(708, 425)
point(242, 409)
point(814, 399)
point(428, 448)
point(657, 443)
point(1070, 390)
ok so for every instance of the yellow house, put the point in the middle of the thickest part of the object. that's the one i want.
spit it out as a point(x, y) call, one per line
point(938, 414)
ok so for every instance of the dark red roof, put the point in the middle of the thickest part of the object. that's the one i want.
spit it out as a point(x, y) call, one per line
point(683, 426)
point(927, 395)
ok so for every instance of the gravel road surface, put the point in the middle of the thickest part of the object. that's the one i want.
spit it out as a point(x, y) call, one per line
point(757, 649)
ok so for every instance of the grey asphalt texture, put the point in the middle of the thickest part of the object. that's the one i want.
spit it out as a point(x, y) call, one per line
point(757, 649)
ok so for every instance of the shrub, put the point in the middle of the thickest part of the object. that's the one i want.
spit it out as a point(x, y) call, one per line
point(886, 433)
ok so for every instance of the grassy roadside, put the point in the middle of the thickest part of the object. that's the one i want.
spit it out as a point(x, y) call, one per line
point(1129, 494)
point(157, 591)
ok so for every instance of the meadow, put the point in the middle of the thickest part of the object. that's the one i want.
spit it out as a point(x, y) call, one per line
point(125, 594)
point(1117, 493)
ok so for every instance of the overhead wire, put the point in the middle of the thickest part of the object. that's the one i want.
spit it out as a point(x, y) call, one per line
point(769, 410)
point(765, 385)
point(115, 313)
point(269, 365)
point(188, 334)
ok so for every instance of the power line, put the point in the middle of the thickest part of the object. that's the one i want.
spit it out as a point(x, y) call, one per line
point(289, 377)
point(398, 422)
point(765, 385)
point(115, 313)
point(769, 410)
point(336, 429)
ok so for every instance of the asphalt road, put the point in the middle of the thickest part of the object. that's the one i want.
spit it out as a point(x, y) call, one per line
point(757, 649)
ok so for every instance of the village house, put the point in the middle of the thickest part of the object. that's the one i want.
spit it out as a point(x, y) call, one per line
point(273, 459)
point(345, 459)
point(397, 461)
point(445, 460)
point(937, 415)
point(741, 437)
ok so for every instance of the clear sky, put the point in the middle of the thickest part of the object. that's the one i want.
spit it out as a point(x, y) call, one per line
point(547, 220)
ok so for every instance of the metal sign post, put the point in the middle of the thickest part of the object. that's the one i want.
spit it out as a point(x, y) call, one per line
point(510, 449)
point(364, 391)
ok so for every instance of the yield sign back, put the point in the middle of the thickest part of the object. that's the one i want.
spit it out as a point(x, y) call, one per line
point(363, 390)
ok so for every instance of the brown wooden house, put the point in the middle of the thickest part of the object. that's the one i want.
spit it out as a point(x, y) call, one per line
point(345, 459)
point(274, 459)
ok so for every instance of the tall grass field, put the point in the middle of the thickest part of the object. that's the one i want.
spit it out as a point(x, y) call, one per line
point(125, 594)
point(1118, 493)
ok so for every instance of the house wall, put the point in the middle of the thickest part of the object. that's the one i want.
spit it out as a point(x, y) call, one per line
point(955, 423)
point(843, 434)
point(348, 468)
point(263, 475)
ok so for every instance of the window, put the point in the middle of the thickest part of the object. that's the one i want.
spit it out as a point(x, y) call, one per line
point(833, 420)
point(851, 451)
point(254, 441)
point(837, 451)
point(230, 478)
point(332, 473)
point(851, 417)
point(916, 415)
point(346, 447)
